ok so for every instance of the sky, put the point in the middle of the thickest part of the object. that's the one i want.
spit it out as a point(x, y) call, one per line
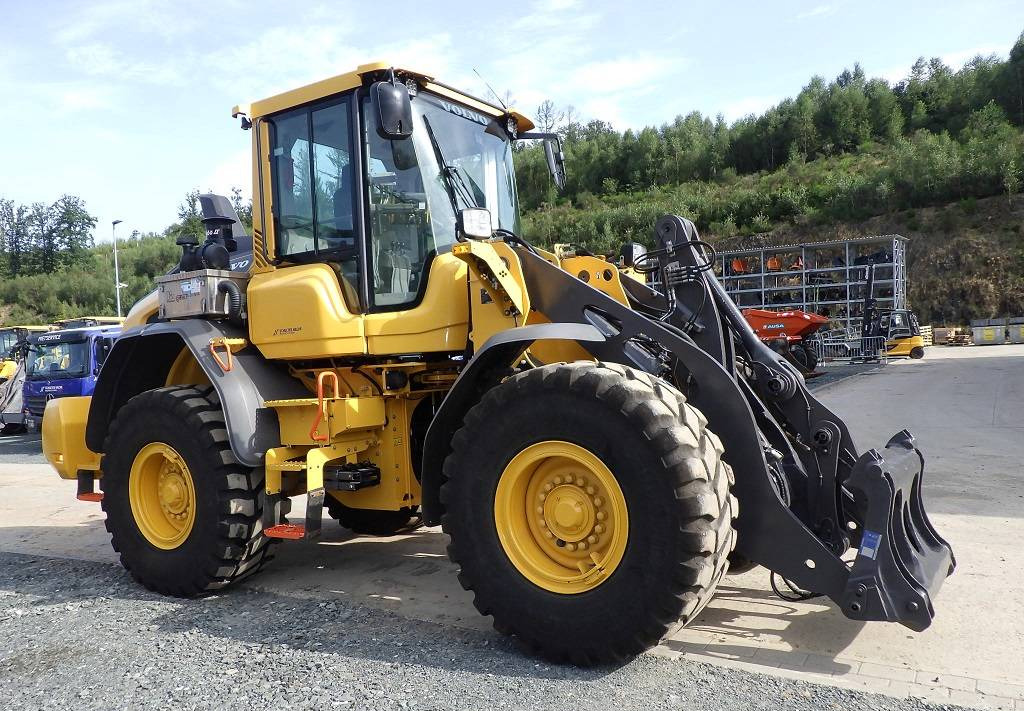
point(126, 103)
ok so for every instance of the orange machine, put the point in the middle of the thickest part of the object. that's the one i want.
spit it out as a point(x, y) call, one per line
point(787, 333)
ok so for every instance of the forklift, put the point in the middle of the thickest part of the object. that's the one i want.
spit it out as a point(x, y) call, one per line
point(899, 327)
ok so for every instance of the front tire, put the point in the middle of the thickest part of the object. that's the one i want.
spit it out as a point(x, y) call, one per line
point(181, 511)
point(561, 450)
point(803, 357)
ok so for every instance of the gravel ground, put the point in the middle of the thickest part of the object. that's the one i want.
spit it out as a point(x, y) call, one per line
point(78, 635)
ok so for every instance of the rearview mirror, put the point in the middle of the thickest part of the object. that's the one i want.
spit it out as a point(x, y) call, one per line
point(392, 109)
point(556, 161)
point(553, 154)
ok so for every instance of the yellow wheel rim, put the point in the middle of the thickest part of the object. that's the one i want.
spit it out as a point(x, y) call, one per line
point(162, 496)
point(561, 517)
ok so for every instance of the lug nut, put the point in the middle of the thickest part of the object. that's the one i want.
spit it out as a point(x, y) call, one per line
point(557, 480)
point(582, 546)
point(599, 528)
point(601, 515)
point(570, 546)
point(542, 496)
point(592, 539)
point(591, 490)
point(547, 487)
point(540, 509)
point(580, 482)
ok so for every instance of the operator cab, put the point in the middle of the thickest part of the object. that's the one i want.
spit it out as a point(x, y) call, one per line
point(376, 208)
point(898, 323)
point(367, 179)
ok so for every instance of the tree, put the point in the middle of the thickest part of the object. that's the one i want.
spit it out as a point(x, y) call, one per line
point(884, 111)
point(190, 218)
point(243, 207)
point(547, 116)
point(13, 219)
point(73, 226)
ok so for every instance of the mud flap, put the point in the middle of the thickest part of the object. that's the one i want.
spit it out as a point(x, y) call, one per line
point(902, 561)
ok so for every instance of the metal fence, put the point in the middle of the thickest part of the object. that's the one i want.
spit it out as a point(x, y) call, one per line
point(840, 347)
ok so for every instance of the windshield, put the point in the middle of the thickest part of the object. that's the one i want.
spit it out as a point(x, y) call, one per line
point(8, 339)
point(411, 211)
point(47, 361)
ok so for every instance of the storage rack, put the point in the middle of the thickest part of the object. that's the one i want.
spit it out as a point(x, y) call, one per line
point(819, 277)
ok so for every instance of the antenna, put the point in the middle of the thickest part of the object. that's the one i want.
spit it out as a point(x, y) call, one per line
point(493, 92)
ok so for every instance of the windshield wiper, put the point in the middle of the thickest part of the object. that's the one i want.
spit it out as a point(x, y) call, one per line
point(453, 181)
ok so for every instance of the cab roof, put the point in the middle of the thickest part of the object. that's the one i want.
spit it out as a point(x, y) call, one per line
point(351, 80)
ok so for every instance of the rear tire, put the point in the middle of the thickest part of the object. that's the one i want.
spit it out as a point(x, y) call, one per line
point(917, 352)
point(224, 541)
point(665, 463)
point(371, 522)
point(13, 428)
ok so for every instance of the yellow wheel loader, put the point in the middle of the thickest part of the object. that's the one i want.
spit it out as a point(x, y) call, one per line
point(598, 452)
point(14, 347)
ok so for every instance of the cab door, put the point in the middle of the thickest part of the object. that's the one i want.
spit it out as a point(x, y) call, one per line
point(416, 289)
point(306, 303)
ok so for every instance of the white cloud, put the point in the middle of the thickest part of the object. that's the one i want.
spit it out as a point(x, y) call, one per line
point(955, 60)
point(614, 75)
point(608, 109)
point(101, 59)
point(235, 171)
point(547, 14)
point(155, 19)
point(958, 59)
point(745, 107)
point(81, 98)
point(816, 11)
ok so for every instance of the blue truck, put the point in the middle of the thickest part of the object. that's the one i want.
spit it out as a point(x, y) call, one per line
point(63, 364)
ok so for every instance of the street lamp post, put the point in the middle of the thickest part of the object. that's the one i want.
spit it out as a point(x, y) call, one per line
point(117, 271)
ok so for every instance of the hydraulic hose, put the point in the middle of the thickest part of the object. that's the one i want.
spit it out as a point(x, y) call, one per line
point(234, 295)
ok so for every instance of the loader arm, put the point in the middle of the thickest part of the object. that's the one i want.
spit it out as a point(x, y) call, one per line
point(805, 494)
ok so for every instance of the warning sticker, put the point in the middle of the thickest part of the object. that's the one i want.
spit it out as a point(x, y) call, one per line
point(869, 544)
point(192, 287)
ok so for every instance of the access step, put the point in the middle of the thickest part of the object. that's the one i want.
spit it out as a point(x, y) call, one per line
point(287, 531)
point(86, 488)
point(350, 477)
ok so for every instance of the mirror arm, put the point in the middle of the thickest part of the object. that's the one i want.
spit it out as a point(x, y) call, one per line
point(540, 135)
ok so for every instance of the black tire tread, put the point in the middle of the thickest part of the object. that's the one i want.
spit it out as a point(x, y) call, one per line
point(691, 455)
point(240, 548)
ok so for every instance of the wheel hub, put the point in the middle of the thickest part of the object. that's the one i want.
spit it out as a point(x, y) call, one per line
point(561, 517)
point(173, 491)
point(162, 495)
point(568, 512)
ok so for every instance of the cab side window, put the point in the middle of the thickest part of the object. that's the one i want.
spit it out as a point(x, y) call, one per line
point(314, 190)
point(401, 236)
point(293, 194)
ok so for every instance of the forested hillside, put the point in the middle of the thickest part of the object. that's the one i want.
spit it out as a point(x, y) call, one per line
point(938, 157)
